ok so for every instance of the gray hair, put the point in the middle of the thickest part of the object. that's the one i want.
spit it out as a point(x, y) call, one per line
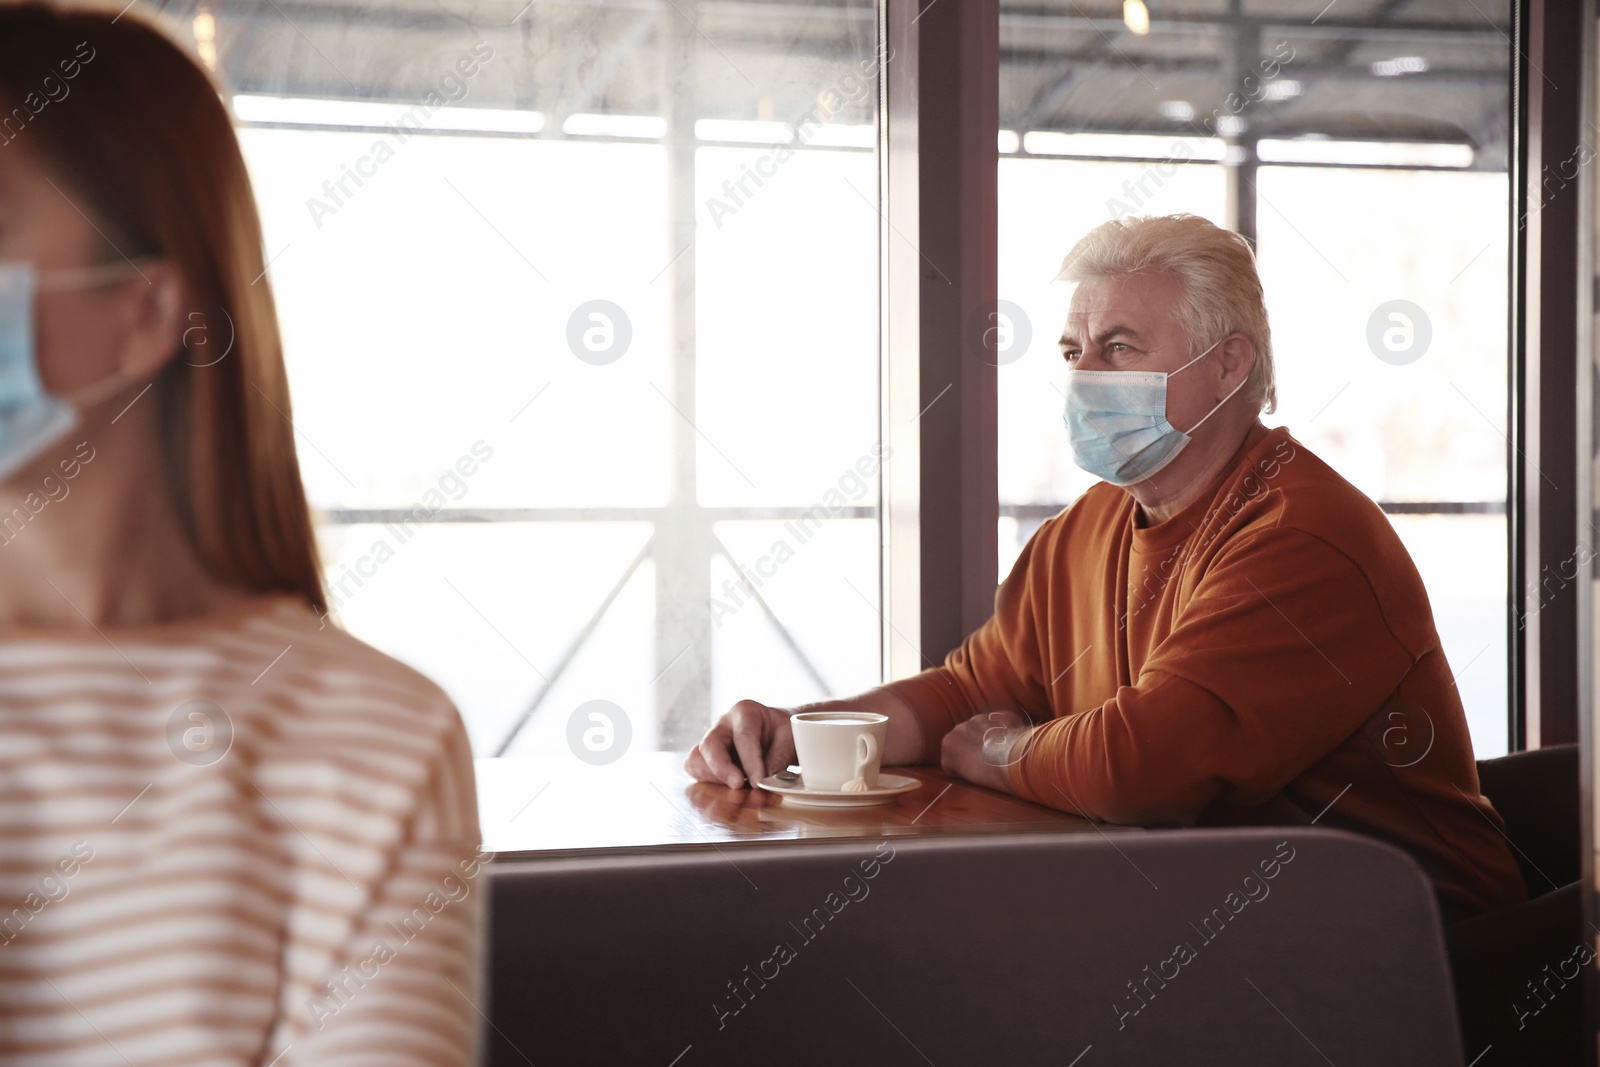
point(1221, 290)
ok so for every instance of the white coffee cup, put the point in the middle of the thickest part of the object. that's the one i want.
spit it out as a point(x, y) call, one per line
point(834, 747)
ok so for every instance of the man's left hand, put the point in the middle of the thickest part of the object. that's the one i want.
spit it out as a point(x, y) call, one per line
point(981, 748)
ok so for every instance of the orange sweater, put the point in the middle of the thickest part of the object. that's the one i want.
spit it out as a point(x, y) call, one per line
point(1264, 655)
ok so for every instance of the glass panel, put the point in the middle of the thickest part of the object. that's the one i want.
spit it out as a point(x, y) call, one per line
point(1463, 563)
point(1421, 424)
point(1365, 153)
point(799, 565)
point(459, 600)
point(560, 293)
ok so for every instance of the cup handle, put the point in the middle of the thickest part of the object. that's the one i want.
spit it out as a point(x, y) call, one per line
point(866, 753)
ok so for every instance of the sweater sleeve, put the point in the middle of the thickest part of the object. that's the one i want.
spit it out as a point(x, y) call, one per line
point(1281, 654)
point(999, 666)
point(409, 989)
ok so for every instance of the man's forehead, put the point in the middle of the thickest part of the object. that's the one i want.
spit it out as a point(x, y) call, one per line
point(1097, 316)
point(1101, 303)
point(1100, 308)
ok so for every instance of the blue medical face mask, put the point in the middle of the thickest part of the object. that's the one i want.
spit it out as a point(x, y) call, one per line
point(31, 418)
point(1117, 422)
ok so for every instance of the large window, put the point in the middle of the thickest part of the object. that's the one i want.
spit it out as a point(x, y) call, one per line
point(1363, 149)
point(580, 306)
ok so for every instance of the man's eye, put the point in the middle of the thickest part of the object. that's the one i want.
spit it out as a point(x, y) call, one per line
point(1070, 357)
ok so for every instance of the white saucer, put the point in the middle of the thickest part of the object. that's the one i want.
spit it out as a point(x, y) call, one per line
point(889, 787)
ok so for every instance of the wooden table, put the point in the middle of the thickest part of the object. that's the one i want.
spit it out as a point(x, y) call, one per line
point(646, 801)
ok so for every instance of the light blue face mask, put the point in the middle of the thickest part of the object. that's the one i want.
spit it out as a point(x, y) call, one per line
point(31, 418)
point(1117, 422)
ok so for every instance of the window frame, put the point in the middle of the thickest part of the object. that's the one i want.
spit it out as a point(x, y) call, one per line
point(939, 257)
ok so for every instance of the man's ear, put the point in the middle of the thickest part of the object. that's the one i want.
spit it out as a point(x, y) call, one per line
point(1238, 360)
point(155, 321)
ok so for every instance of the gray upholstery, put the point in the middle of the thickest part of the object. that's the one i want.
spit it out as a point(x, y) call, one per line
point(975, 950)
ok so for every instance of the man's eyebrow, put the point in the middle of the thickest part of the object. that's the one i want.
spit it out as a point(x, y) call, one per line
point(1068, 340)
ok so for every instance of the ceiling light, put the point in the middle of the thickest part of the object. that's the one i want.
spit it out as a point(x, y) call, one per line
point(1137, 16)
point(205, 36)
point(1365, 153)
point(1121, 146)
point(643, 127)
point(746, 131)
point(1393, 68)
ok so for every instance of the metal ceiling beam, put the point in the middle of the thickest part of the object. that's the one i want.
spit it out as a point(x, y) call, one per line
point(1214, 66)
point(1018, 17)
point(1047, 99)
point(1015, 18)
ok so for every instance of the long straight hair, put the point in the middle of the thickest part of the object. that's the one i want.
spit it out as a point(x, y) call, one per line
point(127, 120)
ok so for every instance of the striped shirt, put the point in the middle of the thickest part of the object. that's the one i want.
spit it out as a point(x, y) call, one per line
point(242, 839)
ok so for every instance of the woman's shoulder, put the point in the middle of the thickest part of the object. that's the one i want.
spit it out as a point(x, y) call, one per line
point(313, 670)
point(335, 697)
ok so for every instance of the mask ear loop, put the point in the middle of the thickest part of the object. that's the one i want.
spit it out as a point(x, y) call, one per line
point(68, 278)
point(104, 389)
point(1190, 431)
point(1196, 359)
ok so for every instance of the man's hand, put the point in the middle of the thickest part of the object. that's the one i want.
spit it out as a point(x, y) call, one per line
point(750, 741)
point(981, 748)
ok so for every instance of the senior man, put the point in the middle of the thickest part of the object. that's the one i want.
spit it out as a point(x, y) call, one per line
point(1222, 631)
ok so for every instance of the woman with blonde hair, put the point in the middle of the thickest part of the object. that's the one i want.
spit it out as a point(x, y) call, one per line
point(231, 834)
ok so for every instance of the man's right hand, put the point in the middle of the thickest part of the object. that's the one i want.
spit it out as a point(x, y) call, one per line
point(750, 742)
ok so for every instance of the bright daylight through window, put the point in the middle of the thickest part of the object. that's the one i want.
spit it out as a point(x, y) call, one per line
point(593, 428)
point(1389, 337)
point(594, 432)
